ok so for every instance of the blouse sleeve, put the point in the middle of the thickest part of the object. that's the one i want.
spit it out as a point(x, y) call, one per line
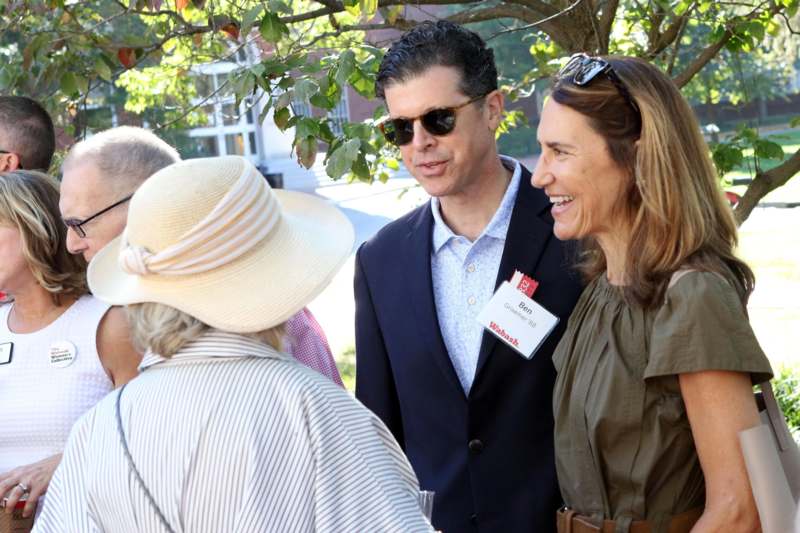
point(703, 326)
point(66, 507)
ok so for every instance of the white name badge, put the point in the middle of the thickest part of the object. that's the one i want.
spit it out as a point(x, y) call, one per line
point(5, 352)
point(517, 320)
point(62, 354)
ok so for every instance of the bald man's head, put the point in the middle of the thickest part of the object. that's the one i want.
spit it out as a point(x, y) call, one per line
point(102, 171)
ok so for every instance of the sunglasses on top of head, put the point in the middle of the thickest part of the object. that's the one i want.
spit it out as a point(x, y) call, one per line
point(439, 122)
point(581, 69)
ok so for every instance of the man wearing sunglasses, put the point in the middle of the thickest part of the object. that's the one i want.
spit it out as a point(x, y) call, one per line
point(473, 416)
point(27, 137)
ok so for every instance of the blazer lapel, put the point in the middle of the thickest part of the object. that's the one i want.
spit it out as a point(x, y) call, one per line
point(527, 237)
point(419, 243)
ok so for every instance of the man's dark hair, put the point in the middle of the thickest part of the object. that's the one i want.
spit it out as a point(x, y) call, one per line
point(440, 43)
point(28, 129)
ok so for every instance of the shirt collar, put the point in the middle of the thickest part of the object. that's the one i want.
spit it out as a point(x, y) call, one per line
point(217, 344)
point(498, 225)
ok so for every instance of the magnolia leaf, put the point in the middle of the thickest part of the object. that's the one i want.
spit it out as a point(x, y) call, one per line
point(306, 149)
point(765, 149)
point(279, 6)
point(361, 168)
point(69, 83)
point(306, 127)
point(345, 66)
point(281, 118)
point(250, 17)
point(305, 89)
point(272, 29)
point(342, 159)
point(102, 69)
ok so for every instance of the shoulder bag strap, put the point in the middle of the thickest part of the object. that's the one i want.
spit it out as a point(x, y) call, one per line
point(776, 419)
point(124, 441)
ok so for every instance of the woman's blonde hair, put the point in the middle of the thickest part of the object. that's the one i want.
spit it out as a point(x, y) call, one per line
point(677, 213)
point(164, 330)
point(29, 203)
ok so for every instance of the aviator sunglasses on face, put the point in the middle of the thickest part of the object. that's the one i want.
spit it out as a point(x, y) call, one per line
point(439, 122)
point(77, 224)
point(581, 69)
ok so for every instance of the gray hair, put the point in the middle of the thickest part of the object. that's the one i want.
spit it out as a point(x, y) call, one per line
point(128, 155)
point(164, 330)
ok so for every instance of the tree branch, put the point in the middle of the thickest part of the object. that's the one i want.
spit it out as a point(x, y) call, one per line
point(606, 23)
point(764, 183)
point(712, 50)
point(667, 37)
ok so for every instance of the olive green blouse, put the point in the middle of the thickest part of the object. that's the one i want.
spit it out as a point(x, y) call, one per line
point(624, 448)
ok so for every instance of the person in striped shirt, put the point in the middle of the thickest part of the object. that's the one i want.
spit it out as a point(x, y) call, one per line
point(221, 431)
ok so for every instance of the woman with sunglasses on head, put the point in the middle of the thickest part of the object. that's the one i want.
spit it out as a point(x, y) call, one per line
point(61, 350)
point(655, 370)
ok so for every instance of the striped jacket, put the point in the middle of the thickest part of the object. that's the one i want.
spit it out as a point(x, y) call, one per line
point(231, 436)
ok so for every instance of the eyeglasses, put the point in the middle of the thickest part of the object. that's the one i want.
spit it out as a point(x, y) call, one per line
point(439, 122)
point(18, 157)
point(581, 69)
point(77, 224)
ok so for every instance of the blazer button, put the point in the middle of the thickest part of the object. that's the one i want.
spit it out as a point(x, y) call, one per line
point(475, 446)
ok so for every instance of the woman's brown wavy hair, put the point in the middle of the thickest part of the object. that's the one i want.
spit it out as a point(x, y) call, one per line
point(677, 213)
point(29, 202)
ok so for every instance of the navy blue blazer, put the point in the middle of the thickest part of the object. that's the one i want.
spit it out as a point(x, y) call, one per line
point(487, 455)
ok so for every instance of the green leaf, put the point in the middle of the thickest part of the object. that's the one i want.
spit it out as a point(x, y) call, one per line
point(727, 157)
point(69, 84)
point(305, 89)
point(272, 29)
point(795, 122)
point(345, 67)
point(765, 149)
point(306, 127)
point(342, 159)
point(102, 69)
point(353, 7)
point(279, 6)
point(361, 168)
point(364, 85)
point(306, 149)
point(250, 17)
point(322, 101)
point(368, 8)
point(281, 118)
point(6, 78)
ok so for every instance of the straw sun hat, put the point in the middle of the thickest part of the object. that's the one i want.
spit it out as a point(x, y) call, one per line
point(211, 238)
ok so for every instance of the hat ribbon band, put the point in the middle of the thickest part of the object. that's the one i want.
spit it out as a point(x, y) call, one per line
point(245, 216)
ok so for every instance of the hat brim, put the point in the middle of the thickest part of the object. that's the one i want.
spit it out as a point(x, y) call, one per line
point(257, 291)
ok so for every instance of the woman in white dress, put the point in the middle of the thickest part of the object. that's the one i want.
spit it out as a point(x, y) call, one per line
point(61, 350)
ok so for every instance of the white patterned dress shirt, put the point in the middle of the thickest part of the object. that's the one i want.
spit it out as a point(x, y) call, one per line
point(464, 275)
point(230, 435)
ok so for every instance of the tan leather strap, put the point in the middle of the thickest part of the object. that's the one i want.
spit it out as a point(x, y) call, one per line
point(568, 521)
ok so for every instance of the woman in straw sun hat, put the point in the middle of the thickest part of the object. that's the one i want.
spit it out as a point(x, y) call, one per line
point(221, 431)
